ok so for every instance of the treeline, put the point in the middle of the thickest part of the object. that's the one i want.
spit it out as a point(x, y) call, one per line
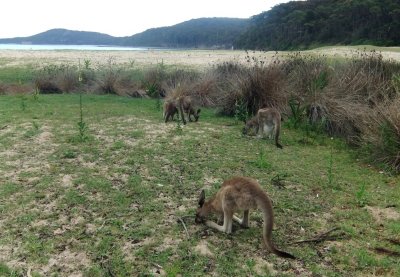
point(304, 24)
point(290, 26)
point(195, 33)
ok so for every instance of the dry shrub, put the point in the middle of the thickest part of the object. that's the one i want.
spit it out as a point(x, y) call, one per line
point(57, 79)
point(3, 88)
point(303, 74)
point(357, 99)
point(340, 117)
point(183, 89)
point(263, 87)
point(232, 86)
point(381, 136)
point(107, 81)
point(153, 79)
point(67, 80)
point(366, 78)
point(225, 91)
point(203, 90)
point(46, 85)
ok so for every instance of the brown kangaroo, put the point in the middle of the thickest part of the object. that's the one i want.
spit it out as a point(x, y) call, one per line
point(267, 123)
point(239, 194)
point(170, 110)
point(185, 104)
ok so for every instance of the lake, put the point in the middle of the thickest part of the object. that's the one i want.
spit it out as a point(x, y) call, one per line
point(73, 47)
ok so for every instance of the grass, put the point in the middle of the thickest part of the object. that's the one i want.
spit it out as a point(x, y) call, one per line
point(109, 205)
point(17, 74)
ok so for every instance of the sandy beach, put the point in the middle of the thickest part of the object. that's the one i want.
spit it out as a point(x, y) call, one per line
point(183, 58)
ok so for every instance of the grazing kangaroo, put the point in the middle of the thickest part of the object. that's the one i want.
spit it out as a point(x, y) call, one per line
point(170, 110)
point(186, 105)
point(239, 194)
point(267, 122)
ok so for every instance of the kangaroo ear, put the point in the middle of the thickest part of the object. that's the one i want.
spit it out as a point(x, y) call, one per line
point(202, 198)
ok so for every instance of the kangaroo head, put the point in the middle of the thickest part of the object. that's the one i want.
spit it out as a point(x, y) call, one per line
point(245, 130)
point(201, 212)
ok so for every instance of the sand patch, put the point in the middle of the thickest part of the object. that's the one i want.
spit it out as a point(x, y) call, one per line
point(68, 262)
point(262, 267)
point(382, 214)
point(44, 137)
point(203, 249)
point(67, 181)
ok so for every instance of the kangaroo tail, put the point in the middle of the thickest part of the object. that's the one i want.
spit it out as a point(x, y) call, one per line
point(266, 206)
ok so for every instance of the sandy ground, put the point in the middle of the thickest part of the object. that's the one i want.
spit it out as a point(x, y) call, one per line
point(196, 58)
point(189, 58)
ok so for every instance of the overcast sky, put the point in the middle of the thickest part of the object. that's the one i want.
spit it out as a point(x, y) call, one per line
point(20, 18)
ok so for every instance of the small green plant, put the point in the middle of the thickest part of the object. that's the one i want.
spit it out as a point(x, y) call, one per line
point(178, 128)
point(158, 103)
point(361, 195)
point(241, 113)
point(23, 104)
point(33, 131)
point(298, 113)
point(330, 168)
point(278, 180)
point(36, 94)
point(87, 64)
point(262, 161)
point(69, 154)
point(82, 126)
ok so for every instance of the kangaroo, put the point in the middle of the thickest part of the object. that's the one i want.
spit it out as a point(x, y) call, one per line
point(239, 194)
point(186, 105)
point(267, 122)
point(170, 110)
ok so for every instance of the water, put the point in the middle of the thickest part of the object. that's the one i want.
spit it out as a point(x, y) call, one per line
point(73, 47)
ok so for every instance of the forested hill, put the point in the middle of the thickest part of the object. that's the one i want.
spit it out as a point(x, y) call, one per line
point(290, 26)
point(64, 36)
point(304, 24)
point(195, 33)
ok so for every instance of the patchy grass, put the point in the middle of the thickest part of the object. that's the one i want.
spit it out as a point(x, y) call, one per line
point(109, 206)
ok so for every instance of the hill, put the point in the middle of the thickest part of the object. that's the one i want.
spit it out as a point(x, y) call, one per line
point(64, 36)
point(195, 33)
point(294, 25)
point(304, 24)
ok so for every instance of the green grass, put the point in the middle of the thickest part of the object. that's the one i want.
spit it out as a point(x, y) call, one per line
point(16, 74)
point(109, 205)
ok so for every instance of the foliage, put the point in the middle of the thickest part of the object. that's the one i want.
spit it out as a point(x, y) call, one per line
point(195, 33)
point(305, 24)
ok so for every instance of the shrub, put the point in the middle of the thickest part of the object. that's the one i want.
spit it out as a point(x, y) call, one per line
point(57, 79)
point(153, 79)
point(107, 80)
point(381, 136)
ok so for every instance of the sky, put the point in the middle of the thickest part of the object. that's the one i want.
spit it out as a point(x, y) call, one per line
point(21, 18)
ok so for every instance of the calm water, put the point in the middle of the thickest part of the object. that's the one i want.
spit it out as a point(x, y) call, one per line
point(72, 47)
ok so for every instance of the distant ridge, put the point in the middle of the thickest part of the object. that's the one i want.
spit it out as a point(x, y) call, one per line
point(195, 33)
point(295, 25)
point(68, 37)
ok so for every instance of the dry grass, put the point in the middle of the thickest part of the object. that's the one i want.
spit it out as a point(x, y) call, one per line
point(184, 58)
